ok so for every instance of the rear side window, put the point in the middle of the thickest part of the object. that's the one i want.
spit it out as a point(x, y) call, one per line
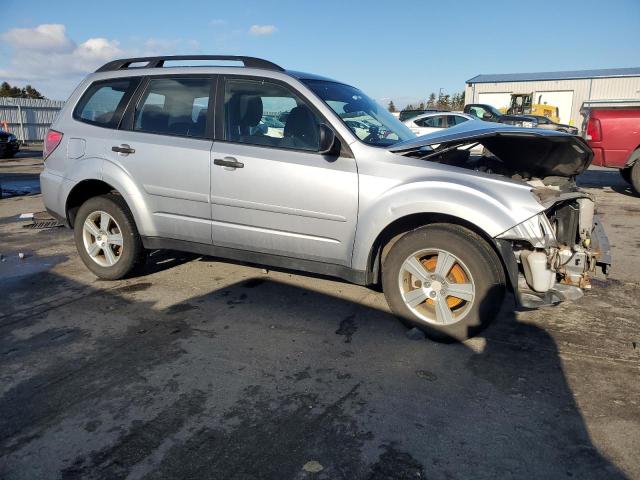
point(455, 120)
point(433, 122)
point(174, 106)
point(103, 103)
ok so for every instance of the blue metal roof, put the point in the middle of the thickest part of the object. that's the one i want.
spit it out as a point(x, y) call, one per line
point(568, 75)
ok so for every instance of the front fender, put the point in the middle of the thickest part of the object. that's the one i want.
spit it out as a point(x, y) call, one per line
point(492, 210)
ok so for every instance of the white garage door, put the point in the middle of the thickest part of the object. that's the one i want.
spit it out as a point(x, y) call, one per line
point(562, 100)
point(501, 100)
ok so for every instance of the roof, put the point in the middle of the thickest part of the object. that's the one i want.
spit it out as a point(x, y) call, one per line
point(440, 113)
point(308, 76)
point(566, 75)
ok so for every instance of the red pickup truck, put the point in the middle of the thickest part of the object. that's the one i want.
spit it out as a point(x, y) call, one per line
point(612, 130)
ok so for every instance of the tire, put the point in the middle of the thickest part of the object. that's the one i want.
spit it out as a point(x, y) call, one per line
point(475, 264)
point(635, 177)
point(625, 173)
point(129, 254)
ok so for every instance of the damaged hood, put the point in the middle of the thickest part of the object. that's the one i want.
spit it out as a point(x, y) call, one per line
point(531, 151)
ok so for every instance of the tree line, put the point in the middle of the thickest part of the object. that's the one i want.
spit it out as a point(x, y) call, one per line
point(443, 101)
point(7, 90)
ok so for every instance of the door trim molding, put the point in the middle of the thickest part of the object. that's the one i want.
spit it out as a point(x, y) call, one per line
point(175, 193)
point(267, 207)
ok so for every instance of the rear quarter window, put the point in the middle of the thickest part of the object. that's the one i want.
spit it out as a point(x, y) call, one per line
point(103, 103)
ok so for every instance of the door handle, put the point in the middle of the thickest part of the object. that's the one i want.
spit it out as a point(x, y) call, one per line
point(124, 148)
point(228, 162)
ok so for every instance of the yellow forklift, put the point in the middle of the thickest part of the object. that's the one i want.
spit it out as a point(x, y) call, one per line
point(522, 104)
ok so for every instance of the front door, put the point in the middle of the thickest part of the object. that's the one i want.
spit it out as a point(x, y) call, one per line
point(166, 150)
point(271, 191)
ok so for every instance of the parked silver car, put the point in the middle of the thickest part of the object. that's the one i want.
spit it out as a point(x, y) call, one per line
point(144, 157)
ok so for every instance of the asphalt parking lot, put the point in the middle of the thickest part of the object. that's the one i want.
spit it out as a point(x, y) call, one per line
point(205, 369)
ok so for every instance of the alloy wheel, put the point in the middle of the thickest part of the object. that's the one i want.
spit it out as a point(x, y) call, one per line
point(102, 238)
point(436, 286)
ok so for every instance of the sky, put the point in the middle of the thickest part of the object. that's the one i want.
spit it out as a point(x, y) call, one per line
point(393, 50)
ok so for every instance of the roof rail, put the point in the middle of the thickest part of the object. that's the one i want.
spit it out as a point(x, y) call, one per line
point(158, 62)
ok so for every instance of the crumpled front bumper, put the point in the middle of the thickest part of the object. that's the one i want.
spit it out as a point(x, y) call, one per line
point(600, 255)
point(600, 246)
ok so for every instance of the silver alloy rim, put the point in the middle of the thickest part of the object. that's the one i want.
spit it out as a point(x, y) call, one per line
point(436, 286)
point(102, 238)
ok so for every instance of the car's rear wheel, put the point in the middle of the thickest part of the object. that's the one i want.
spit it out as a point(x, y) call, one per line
point(107, 238)
point(625, 173)
point(444, 279)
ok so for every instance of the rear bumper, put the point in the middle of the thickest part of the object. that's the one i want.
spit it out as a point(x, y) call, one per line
point(51, 186)
point(598, 156)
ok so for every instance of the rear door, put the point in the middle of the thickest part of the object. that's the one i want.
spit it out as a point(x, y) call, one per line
point(164, 146)
point(271, 191)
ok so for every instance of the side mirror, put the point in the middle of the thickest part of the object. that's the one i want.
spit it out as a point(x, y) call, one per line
point(486, 116)
point(328, 140)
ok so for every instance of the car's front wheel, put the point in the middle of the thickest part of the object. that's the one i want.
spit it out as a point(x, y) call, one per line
point(444, 279)
point(107, 238)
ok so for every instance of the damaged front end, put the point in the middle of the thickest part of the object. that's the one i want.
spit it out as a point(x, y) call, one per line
point(557, 251)
point(550, 256)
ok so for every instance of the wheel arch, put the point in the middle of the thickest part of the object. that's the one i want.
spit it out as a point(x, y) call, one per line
point(403, 225)
point(633, 158)
point(93, 187)
point(83, 191)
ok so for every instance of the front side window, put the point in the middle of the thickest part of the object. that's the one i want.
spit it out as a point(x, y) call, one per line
point(103, 103)
point(370, 122)
point(261, 113)
point(174, 106)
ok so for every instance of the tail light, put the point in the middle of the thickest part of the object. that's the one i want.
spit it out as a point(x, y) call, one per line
point(594, 132)
point(51, 141)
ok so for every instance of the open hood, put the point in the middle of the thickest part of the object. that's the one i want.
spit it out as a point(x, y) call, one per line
point(529, 152)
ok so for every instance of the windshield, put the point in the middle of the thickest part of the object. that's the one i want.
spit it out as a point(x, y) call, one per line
point(370, 122)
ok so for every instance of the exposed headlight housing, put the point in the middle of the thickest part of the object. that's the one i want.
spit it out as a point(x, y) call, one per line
point(537, 231)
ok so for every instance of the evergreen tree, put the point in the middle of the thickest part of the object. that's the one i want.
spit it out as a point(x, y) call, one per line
point(7, 90)
point(30, 92)
point(391, 107)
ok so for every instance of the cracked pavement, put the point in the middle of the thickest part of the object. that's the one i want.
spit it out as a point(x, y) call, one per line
point(200, 368)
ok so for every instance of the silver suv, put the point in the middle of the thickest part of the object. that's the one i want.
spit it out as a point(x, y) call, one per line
point(293, 170)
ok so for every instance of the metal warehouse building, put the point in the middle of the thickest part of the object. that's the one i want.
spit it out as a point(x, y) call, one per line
point(28, 118)
point(565, 90)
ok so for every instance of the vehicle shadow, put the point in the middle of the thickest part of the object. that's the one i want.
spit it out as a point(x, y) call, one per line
point(159, 260)
point(602, 178)
point(263, 379)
